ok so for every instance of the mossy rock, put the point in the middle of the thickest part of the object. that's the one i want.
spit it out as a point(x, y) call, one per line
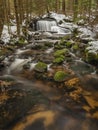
point(91, 57)
point(60, 76)
point(58, 46)
point(48, 44)
point(75, 47)
point(69, 44)
point(60, 52)
point(40, 67)
point(63, 42)
point(21, 41)
point(59, 60)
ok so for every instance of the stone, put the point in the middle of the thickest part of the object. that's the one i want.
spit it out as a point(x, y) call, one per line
point(60, 76)
point(40, 67)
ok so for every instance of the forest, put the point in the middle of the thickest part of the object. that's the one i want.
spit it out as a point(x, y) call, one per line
point(48, 64)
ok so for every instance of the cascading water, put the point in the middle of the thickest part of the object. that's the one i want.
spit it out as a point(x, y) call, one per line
point(51, 25)
point(59, 30)
point(45, 25)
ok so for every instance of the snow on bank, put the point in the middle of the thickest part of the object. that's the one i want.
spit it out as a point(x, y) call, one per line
point(58, 17)
point(86, 34)
point(5, 34)
point(93, 46)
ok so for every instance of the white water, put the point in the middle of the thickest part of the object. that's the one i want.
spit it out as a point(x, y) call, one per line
point(59, 30)
point(45, 25)
point(17, 65)
point(19, 51)
point(32, 65)
point(48, 51)
point(48, 25)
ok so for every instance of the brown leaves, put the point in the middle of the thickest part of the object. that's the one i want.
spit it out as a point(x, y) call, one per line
point(4, 85)
point(72, 82)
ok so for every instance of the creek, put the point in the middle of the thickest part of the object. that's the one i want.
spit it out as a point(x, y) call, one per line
point(34, 101)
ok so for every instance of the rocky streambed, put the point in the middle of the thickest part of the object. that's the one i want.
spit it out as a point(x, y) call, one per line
point(50, 83)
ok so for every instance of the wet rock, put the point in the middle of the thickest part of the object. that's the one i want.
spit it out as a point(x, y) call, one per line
point(81, 67)
point(92, 52)
point(1, 42)
point(58, 60)
point(75, 47)
point(69, 44)
point(40, 67)
point(60, 52)
point(92, 57)
point(60, 76)
point(2, 65)
point(46, 58)
point(26, 66)
point(17, 103)
point(58, 46)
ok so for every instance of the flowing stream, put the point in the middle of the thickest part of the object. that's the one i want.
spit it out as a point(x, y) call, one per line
point(33, 103)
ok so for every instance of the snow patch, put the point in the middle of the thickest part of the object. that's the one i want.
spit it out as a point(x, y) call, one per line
point(5, 34)
point(93, 46)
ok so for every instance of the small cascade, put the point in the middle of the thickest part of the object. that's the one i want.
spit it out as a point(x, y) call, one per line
point(45, 25)
point(32, 65)
point(59, 30)
point(17, 65)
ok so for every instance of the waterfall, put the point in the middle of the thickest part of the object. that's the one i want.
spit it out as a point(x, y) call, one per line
point(45, 25)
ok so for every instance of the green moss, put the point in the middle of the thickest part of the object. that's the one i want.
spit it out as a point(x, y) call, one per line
point(60, 52)
point(63, 42)
point(75, 47)
point(58, 46)
point(40, 67)
point(21, 41)
point(60, 76)
point(91, 57)
point(59, 59)
point(69, 44)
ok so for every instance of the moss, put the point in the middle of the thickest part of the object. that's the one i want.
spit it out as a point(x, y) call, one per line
point(60, 76)
point(49, 44)
point(63, 42)
point(58, 46)
point(69, 44)
point(91, 57)
point(59, 59)
point(40, 67)
point(75, 47)
point(60, 52)
point(21, 41)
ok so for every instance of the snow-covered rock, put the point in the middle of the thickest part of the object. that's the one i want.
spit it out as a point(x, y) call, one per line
point(92, 46)
point(86, 34)
point(58, 17)
point(60, 30)
point(69, 26)
point(92, 52)
point(85, 31)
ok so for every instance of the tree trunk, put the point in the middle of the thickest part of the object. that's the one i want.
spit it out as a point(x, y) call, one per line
point(63, 6)
point(1, 16)
point(17, 17)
